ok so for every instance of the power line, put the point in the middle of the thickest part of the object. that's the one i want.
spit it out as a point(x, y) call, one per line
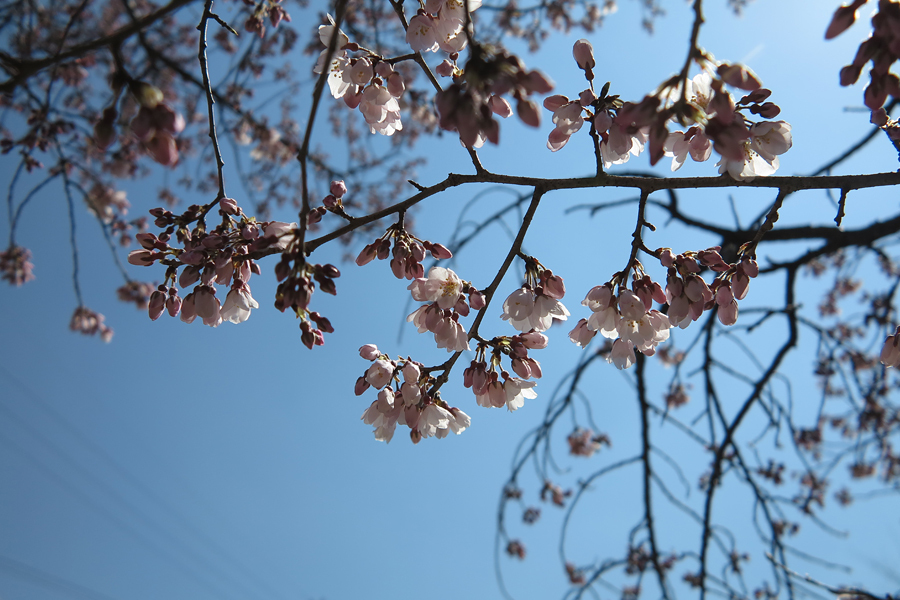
point(205, 540)
point(49, 580)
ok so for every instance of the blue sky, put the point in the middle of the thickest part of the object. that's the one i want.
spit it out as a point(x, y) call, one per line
point(187, 462)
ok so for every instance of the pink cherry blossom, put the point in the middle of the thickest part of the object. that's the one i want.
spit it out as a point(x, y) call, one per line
point(582, 334)
point(442, 286)
point(380, 373)
point(517, 390)
point(622, 354)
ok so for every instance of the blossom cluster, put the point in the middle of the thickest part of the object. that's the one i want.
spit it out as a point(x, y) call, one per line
point(535, 305)
point(627, 318)
point(16, 266)
point(716, 122)
point(495, 390)
point(224, 256)
point(687, 293)
point(409, 402)
point(155, 125)
point(882, 49)
point(88, 322)
point(584, 442)
point(446, 297)
point(368, 82)
point(469, 104)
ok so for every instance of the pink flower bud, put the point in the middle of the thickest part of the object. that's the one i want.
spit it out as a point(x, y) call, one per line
point(528, 112)
point(583, 52)
point(163, 149)
point(724, 295)
point(322, 323)
point(361, 386)
point(843, 18)
point(587, 97)
point(440, 252)
point(104, 134)
point(602, 122)
point(367, 255)
point(890, 352)
point(476, 299)
point(445, 69)
point(352, 99)
point(879, 117)
point(538, 83)
point(749, 267)
point(384, 69)
point(555, 102)
point(850, 75)
point(521, 368)
point(369, 351)
point(738, 76)
point(228, 206)
point(500, 106)
point(189, 276)
point(157, 305)
point(396, 85)
point(141, 258)
point(554, 287)
point(173, 304)
point(740, 283)
point(338, 188)
point(534, 340)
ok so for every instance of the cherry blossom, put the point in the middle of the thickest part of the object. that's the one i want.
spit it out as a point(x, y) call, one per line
point(517, 390)
point(238, 303)
point(442, 286)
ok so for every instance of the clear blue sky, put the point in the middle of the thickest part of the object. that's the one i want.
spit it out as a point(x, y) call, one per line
point(185, 462)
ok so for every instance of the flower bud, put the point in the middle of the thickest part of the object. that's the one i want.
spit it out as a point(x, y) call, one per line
point(338, 188)
point(228, 206)
point(147, 95)
point(528, 112)
point(583, 52)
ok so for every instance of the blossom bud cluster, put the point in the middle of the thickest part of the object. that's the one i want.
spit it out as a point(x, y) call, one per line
point(223, 256)
point(687, 293)
point(88, 322)
point(493, 390)
point(445, 294)
point(107, 204)
point(627, 318)
point(409, 403)
point(273, 9)
point(137, 293)
point(407, 254)
point(368, 82)
point(469, 104)
point(298, 282)
point(882, 49)
point(748, 149)
point(584, 442)
point(535, 305)
point(16, 266)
